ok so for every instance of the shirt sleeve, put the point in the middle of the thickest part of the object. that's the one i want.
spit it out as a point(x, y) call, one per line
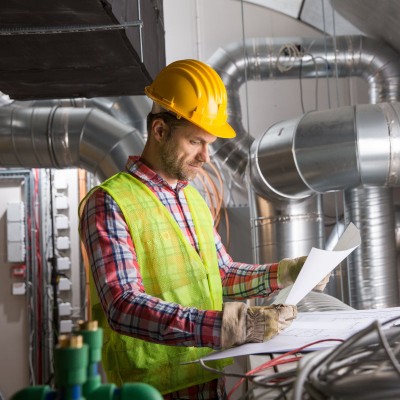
point(242, 281)
point(116, 273)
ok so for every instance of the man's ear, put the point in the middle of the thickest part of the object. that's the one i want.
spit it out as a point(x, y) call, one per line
point(159, 129)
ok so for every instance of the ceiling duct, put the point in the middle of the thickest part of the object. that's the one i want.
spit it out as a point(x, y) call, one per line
point(73, 48)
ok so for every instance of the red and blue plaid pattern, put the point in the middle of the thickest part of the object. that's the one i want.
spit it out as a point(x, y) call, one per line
point(115, 269)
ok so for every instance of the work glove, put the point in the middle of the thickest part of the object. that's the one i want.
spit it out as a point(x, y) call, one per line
point(244, 324)
point(289, 269)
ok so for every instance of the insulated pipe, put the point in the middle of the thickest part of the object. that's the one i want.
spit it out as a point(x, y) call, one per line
point(62, 137)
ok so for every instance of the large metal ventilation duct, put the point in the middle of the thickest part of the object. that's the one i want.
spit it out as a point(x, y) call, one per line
point(278, 217)
point(129, 110)
point(64, 137)
point(321, 151)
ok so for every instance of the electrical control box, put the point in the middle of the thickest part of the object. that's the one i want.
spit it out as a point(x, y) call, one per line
point(60, 180)
point(63, 263)
point(64, 309)
point(62, 222)
point(63, 243)
point(15, 252)
point(66, 326)
point(15, 211)
point(64, 284)
point(15, 232)
point(61, 202)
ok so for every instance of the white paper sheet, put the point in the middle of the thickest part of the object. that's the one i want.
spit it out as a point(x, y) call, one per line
point(313, 326)
point(309, 327)
point(319, 264)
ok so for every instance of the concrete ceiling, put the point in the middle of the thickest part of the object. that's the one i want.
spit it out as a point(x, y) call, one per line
point(75, 48)
point(378, 19)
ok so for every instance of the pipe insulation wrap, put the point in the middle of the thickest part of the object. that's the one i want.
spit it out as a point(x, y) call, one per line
point(372, 267)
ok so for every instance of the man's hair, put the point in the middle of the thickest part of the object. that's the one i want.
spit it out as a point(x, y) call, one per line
point(168, 117)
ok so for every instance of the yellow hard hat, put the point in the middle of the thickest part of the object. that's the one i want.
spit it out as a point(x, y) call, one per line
point(194, 91)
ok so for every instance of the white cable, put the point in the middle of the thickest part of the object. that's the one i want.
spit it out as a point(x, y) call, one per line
point(291, 53)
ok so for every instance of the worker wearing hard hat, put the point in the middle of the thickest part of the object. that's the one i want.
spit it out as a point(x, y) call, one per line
point(158, 265)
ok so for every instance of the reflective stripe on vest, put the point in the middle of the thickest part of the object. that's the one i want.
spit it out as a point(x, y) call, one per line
point(173, 271)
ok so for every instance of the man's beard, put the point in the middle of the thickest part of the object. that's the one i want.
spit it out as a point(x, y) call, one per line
point(172, 165)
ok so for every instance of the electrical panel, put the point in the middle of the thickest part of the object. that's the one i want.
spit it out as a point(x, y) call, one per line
point(61, 202)
point(63, 243)
point(63, 263)
point(15, 232)
point(66, 326)
point(64, 309)
point(64, 284)
point(18, 288)
point(62, 239)
point(62, 222)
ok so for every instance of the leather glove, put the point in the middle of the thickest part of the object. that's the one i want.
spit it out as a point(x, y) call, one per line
point(289, 269)
point(244, 324)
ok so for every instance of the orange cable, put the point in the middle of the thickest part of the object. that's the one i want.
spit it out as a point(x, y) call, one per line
point(82, 193)
point(215, 197)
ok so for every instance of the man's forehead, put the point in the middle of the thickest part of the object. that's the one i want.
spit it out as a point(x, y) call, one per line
point(194, 132)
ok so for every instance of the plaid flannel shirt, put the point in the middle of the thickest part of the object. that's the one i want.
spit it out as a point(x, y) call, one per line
point(130, 310)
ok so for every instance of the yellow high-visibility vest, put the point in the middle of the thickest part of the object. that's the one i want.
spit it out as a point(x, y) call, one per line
point(173, 271)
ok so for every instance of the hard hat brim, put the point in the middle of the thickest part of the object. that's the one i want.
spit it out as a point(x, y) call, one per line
point(225, 131)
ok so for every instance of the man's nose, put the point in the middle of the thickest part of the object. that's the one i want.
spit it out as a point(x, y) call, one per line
point(204, 154)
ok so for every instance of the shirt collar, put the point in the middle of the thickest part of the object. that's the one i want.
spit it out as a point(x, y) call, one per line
point(137, 167)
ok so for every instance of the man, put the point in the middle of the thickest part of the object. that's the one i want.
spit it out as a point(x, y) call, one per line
point(158, 266)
